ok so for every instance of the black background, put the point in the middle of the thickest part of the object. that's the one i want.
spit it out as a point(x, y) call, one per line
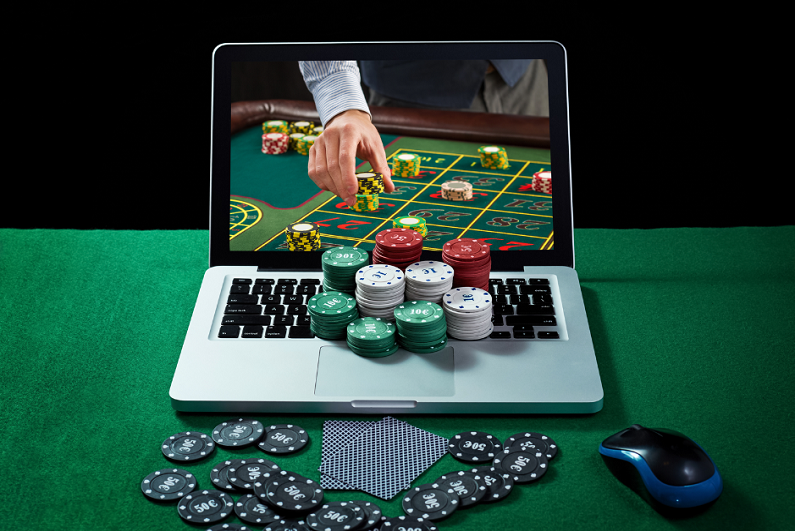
point(665, 130)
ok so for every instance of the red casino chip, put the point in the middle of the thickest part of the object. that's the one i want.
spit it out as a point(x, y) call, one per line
point(466, 249)
point(275, 143)
point(399, 240)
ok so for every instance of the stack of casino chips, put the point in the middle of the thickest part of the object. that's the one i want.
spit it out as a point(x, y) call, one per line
point(410, 222)
point(468, 313)
point(330, 313)
point(276, 126)
point(303, 236)
point(493, 157)
point(428, 281)
point(370, 185)
point(275, 143)
point(379, 289)
point(406, 165)
point(472, 262)
point(542, 181)
point(305, 143)
point(457, 191)
point(397, 247)
point(372, 337)
point(302, 127)
point(340, 265)
point(421, 326)
point(294, 139)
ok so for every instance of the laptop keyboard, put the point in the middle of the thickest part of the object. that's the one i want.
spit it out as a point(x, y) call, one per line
point(268, 308)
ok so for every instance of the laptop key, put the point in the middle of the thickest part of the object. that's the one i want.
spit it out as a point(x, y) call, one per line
point(503, 309)
point(271, 299)
point(306, 289)
point(264, 281)
point(229, 331)
point(524, 334)
point(242, 299)
point(532, 290)
point(532, 320)
point(303, 320)
point(301, 332)
point(520, 299)
point(291, 281)
point(262, 289)
point(504, 289)
point(500, 335)
point(535, 309)
point(274, 309)
point(241, 281)
point(243, 308)
point(262, 320)
point(496, 320)
point(296, 309)
point(548, 335)
point(516, 281)
point(252, 331)
point(240, 289)
point(542, 299)
point(538, 281)
point(310, 281)
point(283, 320)
point(273, 332)
point(284, 289)
point(293, 299)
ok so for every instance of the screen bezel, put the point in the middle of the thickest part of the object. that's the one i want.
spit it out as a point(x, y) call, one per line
point(553, 53)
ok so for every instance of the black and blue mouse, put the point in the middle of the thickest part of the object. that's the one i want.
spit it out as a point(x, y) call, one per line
point(675, 470)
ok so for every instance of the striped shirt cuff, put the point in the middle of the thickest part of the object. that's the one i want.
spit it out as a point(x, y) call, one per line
point(335, 86)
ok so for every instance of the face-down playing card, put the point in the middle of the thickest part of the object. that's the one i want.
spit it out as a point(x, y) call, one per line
point(337, 434)
point(385, 457)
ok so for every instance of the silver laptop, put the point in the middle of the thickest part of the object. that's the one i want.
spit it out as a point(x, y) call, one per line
point(260, 359)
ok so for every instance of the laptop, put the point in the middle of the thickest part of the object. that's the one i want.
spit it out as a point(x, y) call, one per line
point(263, 358)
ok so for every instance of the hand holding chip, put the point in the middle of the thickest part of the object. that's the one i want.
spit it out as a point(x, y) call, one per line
point(332, 158)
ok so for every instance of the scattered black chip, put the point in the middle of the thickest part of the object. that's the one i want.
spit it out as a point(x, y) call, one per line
point(288, 525)
point(251, 510)
point(219, 475)
point(498, 484)
point(238, 433)
point(533, 441)
point(430, 501)
point(228, 527)
point(336, 516)
point(474, 447)
point(289, 492)
point(168, 484)
point(469, 487)
point(244, 473)
point(205, 507)
point(188, 446)
point(283, 439)
point(523, 466)
point(408, 522)
point(372, 515)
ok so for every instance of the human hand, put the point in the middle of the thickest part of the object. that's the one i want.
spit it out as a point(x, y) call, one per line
point(332, 158)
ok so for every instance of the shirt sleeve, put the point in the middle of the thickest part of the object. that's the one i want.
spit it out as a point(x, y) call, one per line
point(335, 86)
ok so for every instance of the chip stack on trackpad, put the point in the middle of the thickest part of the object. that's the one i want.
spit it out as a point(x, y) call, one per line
point(381, 458)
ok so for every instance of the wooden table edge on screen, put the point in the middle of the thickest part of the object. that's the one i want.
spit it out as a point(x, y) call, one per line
point(500, 129)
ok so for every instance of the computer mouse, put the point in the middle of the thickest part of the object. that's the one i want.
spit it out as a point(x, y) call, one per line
point(675, 470)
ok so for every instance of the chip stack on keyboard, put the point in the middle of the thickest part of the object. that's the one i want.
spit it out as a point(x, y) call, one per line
point(406, 165)
point(372, 337)
point(468, 313)
point(397, 247)
point(331, 312)
point(422, 327)
point(303, 236)
point(379, 289)
point(428, 281)
point(340, 265)
point(471, 259)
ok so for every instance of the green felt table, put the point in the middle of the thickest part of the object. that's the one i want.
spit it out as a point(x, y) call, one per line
point(693, 330)
point(268, 192)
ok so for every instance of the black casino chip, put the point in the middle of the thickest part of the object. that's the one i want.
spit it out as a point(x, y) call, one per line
point(188, 446)
point(406, 523)
point(372, 515)
point(336, 516)
point(469, 487)
point(533, 441)
point(168, 484)
point(251, 510)
point(219, 475)
point(498, 484)
point(290, 492)
point(244, 473)
point(283, 439)
point(474, 447)
point(523, 466)
point(205, 507)
point(288, 525)
point(238, 433)
point(430, 501)
point(229, 527)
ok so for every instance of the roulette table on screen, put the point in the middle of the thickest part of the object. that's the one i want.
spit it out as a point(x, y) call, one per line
point(270, 191)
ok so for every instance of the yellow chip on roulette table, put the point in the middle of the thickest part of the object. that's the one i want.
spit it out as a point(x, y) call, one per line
point(301, 127)
point(406, 165)
point(276, 126)
point(493, 157)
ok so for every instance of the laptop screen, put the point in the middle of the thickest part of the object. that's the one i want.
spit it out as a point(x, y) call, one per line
point(470, 134)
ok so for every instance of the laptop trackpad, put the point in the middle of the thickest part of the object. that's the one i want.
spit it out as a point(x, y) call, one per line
point(340, 372)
